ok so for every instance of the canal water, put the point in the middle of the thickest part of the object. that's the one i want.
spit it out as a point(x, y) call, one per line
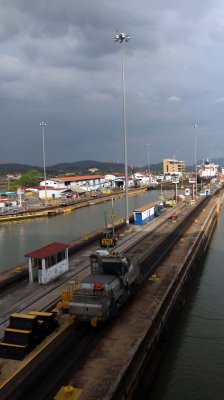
point(192, 366)
point(19, 238)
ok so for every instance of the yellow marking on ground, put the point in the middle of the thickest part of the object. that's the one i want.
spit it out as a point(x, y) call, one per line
point(128, 231)
point(23, 316)
point(41, 313)
point(67, 211)
point(20, 217)
point(17, 330)
point(68, 393)
point(153, 278)
point(12, 345)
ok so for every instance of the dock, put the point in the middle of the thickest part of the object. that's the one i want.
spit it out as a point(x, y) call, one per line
point(62, 208)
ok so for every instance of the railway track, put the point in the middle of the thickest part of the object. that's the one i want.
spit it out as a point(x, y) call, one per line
point(152, 249)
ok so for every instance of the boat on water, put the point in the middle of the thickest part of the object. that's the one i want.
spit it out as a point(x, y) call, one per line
point(207, 171)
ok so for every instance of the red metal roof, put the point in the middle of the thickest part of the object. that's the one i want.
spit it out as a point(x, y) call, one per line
point(77, 178)
point(118, 174)
point(46, 251)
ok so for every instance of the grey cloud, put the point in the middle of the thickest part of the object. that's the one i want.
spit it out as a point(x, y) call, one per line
point(59, 63)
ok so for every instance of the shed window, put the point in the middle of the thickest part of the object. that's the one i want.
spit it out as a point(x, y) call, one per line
point(37, 263)
point(61, 256)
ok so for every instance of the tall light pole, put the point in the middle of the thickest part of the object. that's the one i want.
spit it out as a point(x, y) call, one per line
point(195, 159)
point(148, 146)
point(121, 38)
point(43, 124)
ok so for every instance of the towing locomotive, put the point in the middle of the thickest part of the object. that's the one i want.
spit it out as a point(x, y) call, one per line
point(99, 295)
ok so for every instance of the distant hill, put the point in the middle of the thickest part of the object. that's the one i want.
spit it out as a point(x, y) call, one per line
point(83, 167)
point(75, 168)
point(13, 168)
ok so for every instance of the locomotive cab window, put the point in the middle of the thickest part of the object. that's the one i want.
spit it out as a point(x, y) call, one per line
point(113, 268)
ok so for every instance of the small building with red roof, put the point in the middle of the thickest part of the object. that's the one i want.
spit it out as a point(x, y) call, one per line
point(48, 263)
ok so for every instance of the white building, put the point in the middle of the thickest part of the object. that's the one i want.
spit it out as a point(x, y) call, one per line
point(51, 192)
point(86, 182)
point(109, 180)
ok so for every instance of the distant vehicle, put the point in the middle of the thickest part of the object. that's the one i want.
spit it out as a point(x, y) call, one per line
point(108, 239)
point(170, 203)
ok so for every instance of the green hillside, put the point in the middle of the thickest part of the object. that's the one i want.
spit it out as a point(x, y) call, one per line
point(74, 168)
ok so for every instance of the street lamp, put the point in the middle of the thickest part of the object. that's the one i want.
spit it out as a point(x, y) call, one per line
point(121, 38)
point(43, 124)
point(148, 146)
point(195, 159)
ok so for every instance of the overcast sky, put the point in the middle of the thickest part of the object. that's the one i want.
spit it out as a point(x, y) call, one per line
point(60, 64)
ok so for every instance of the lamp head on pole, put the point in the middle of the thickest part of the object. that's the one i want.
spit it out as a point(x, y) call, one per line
point(43, 124)
point(121, 37)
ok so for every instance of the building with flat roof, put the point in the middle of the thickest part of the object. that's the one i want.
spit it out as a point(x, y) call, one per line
point(173, 166)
